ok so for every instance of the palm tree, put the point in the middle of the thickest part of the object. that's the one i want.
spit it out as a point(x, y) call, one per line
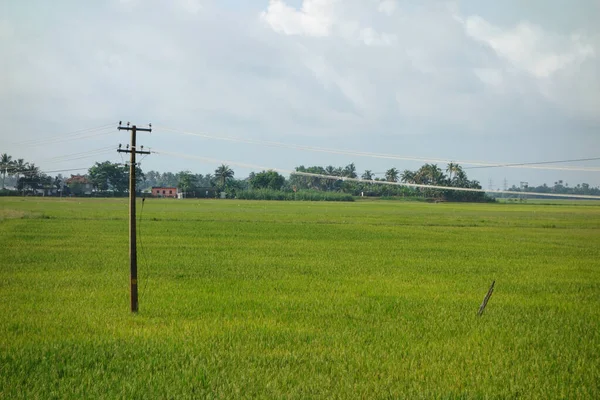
point(19, 167)
point(391, 175)
point(367, 175)
point(31, 177)
point(461, 179)
point(6, 165)
point(349, 171)
point(452, 169)
point(429, 174)
point(408, 176)
point(58, 182)
point(330, 170)
point(223, 173)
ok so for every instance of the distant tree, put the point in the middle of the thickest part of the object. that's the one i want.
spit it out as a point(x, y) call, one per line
point(331, 170)
point(187, 181)
point(429, 174)
point(452, 169)
point(108, 175)
point(267, 180)
point(367, 175)
point(222, 174)
point(6, 165)
point(32, 179)
point(153, 178)
point(102, 174)
point(58, 182)
point(391, 175)
point(19, 167)
point(168, 179)
point(408, 176)
point(207, 181)
point(311, 182)
point(460, 179)
point(233, 186)
point(349, 171)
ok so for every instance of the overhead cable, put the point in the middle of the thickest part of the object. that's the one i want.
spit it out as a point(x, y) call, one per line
point(377, 155)
point(413, 185)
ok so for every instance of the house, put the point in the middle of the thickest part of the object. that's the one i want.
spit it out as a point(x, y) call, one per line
point(79, 185)
point(164, 192)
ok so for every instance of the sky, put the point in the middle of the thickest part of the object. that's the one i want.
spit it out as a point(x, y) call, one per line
point(496, 82)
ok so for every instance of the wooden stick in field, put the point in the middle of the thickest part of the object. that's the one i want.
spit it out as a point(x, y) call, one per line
point(485, 299)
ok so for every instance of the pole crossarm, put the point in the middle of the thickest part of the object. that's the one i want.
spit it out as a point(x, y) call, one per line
point(136, 152)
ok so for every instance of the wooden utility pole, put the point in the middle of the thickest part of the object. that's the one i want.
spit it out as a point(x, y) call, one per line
point(132, 238)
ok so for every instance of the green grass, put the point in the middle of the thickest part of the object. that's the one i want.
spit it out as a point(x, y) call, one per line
point(244, 299)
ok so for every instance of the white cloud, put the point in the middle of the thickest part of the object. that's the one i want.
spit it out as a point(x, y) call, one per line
point(490, 76)
point(323, 18)
point(373, 38)
point(387, 7)
point(191, 6)
point(313, 19)
point(333, 70)
point(529, 47)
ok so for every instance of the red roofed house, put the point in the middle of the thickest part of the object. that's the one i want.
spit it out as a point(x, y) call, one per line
point(164, 192)
point(79, 184)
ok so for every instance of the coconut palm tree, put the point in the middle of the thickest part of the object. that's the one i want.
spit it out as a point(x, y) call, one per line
point(6, 165)
point(452, 169)
point(429, 174)
point(461, 179)
point(223, 173)
point(408, 176)
point(367, 175)
point(330, 170)
point(349, 171)
point(391, 175)
point(31, 177)
point(19, 167)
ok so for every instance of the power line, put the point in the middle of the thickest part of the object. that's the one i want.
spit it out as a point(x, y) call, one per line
point(375, 155)
point(413, 185)
point(66, 170)
point(536, 163)
point(80, 154)
point(29, 172)
point(54, 141)
point(73, 135)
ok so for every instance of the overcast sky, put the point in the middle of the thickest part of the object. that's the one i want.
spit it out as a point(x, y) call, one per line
point(510, 81)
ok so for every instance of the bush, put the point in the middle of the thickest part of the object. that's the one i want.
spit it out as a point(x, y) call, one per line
point(6, 192)
point(302, 195)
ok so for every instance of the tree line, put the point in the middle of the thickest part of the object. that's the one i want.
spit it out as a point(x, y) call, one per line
point(111, 179)
point(24, 176)
point(559, 187)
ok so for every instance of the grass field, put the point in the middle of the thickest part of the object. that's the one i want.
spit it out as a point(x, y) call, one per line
point(246, 299)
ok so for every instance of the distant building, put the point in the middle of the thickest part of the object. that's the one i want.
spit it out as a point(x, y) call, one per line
point(79, 185)
point(164, 192)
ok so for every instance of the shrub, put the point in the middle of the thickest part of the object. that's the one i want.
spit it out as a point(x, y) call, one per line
point(302, 195)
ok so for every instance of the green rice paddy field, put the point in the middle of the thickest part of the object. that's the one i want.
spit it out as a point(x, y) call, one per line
point(242, 299)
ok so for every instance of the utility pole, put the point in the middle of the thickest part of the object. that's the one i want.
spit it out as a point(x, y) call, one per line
point(132, 150)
